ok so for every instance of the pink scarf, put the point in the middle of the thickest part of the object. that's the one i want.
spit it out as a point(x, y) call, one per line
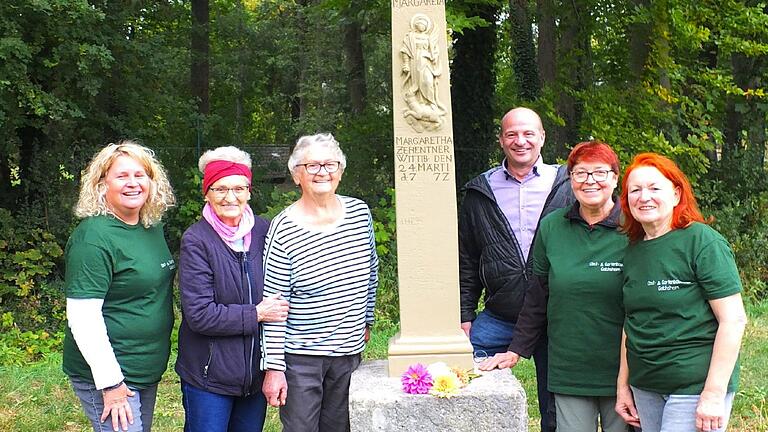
point(231, 234)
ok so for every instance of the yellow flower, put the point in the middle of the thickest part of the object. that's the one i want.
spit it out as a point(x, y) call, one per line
point(445, 385)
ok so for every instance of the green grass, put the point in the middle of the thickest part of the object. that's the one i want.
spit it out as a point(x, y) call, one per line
point(37, 396)
point(750, 410)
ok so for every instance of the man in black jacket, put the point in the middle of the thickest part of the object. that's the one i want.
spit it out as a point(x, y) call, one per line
point(497, 222)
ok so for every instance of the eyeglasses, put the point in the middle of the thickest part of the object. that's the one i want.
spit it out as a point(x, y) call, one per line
point(597, 175)
point(221, 192)
point(314, 167)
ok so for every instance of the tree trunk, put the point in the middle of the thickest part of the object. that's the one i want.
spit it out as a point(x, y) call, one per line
point(547, 42)
point(239, 103)
point(524, 52)
point(355, 61)
point(243, 58)
point(661, 45)
point(298, 101)
point(742, 163)
point(200, 70)
point(472, 94)
point(745, 114)
point(639, 44)
point(29, 144)
point(574, 73)
point(7, 196)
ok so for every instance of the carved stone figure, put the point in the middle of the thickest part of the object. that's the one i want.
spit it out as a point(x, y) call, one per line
point(421, 72)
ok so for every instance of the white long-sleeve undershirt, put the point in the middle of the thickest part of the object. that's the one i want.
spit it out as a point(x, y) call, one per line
point(90, 332)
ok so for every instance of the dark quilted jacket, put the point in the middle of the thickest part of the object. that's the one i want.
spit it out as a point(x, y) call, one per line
point(489, 254)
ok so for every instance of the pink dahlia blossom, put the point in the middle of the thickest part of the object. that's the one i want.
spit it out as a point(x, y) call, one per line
point(416, 380)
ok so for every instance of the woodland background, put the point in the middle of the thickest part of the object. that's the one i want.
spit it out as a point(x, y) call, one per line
point(683, 78)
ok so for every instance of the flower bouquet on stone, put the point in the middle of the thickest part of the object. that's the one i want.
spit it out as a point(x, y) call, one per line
point(437, 379)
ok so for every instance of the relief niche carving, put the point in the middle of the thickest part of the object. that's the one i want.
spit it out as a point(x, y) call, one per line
point(421, 72)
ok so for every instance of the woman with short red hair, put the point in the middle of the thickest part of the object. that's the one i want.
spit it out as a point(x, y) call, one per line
point(682, 299)
point(575, 296)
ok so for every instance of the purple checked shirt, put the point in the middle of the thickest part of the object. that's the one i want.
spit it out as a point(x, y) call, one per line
point(522, 201)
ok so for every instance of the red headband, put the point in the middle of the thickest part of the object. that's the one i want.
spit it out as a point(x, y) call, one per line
point(220, 168)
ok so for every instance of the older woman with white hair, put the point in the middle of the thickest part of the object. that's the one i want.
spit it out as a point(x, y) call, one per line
point(118, 286)
point(221, 285)
point(321, 257)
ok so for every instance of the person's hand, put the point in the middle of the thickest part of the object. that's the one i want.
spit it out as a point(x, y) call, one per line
point(501, 360)
point(710, 411)
point(625, 406)
point(116, 405)
point(272, 309)
point(466, 326)
point(367, 334)
point(275, 388)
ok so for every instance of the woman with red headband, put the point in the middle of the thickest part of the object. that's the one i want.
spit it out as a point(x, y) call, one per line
point(221, 284)
point(682, 299)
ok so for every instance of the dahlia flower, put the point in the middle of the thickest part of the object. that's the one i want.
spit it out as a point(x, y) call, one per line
point(416, 380)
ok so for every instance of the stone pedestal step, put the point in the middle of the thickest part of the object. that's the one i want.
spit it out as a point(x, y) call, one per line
point(493, 402)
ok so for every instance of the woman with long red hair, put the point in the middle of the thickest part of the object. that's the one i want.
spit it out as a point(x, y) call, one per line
point(682, 298)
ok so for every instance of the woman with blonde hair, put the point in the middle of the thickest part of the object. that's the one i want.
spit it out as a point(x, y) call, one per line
point(118, 287)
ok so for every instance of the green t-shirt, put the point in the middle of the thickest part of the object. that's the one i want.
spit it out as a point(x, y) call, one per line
point(668, 282)
point(584, 310)
point(131, 268)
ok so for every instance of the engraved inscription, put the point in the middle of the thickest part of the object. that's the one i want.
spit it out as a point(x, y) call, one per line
point(414, 3)
point(424, 158)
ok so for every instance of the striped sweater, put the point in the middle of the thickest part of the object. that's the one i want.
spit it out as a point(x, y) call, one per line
point(329, 278)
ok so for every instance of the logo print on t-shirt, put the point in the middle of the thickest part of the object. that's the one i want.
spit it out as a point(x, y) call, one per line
point(606, 266)
point(668, 284)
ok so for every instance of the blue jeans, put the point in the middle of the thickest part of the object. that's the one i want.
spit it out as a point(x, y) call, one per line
point(211, 412)
point(672, 412)
point(142, 405)
point(493, 335)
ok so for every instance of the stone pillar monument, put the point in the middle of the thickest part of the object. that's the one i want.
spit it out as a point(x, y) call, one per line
point(427, 253)
point(427, 233)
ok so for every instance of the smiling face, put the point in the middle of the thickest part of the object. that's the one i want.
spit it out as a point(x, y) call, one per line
point(322, 183)
point(128, 186)
point(227, 203)
point(652, 199)
point(591, 194)
point(521, 139)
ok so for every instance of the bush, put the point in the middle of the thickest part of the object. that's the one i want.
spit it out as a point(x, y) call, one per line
point(278, 201)
point(27, 256)
point(744, 223)
point(385, 224)
point(188, 210)
point(387, 310)
point(31, 298)
point(19, 347)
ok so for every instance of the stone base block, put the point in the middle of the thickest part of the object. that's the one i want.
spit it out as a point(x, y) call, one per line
point(493, 402)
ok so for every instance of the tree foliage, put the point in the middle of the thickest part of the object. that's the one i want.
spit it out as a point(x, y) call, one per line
point(683, 78)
